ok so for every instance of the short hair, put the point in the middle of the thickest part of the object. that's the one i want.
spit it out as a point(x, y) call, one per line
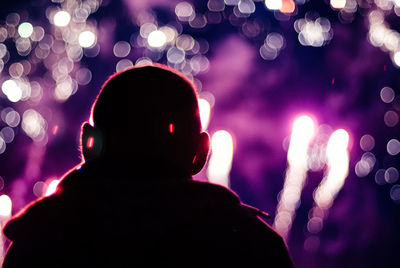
point(155, 103)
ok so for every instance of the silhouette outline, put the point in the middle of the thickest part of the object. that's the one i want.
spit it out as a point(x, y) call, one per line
point(132, 201)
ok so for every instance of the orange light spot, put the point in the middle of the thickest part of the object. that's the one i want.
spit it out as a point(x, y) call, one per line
point(89, 143)
point(288, 6)
point(55, 129)
point(171, 128)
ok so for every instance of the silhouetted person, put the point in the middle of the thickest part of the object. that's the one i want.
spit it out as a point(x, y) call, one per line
point(133, 202)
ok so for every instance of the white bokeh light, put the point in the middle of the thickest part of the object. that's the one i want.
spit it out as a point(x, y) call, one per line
point(87, 39)
point(61, 18)
point(157, 39)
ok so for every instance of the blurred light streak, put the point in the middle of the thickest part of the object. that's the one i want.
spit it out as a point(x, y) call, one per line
point(220, 162)
point(303, 131)
point(334, 178)
point(52, 187)
point(205, 109)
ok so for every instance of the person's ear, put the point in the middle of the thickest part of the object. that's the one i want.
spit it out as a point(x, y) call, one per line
point(91, 141)
point(200, 158)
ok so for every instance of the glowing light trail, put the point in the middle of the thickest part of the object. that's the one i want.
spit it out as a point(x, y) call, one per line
point(220, 162)
point(338, 167)
point(303, 132)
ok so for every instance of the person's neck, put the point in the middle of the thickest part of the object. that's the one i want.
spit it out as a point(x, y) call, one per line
point(143, 166)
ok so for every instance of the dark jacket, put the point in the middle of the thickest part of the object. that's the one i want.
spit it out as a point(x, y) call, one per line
point(114, 214)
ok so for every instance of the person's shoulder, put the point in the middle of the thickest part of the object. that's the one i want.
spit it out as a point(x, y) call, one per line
point(41, 213)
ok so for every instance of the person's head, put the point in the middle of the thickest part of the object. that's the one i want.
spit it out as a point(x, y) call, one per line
point(148, 111)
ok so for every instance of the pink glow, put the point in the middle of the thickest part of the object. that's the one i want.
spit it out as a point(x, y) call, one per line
point(89, 143)
point(55, 130)
point(51, 189)
point(171, 128)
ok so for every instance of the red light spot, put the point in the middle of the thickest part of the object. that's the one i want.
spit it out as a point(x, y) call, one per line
point(194, 159)
point(171, 128)
point(55, 129)
point(89, 143)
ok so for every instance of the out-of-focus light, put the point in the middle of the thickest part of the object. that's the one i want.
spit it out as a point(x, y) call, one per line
point(391, 118)
point(38, 34)
point(5, 206)
point(52, 187)
point(2, 145)
point(338, 166)
point(12, 90)
point(121, 49)
point(231, 2)
point(395, 193)
point(169, 32)
point(393, 147)
point(391, 175)
point(62, 18)
point(313, 33)
point(63, 90)
point(246, 6)
point(184, 11)
point(199, 64)
point(175, 55)
point(34, 125)
point(123, 64)
point(221, 158)
point(334, 178)
point(396, 58)
point(380, 177)
point(365, 165)
point(216, 5)
point(87, 39)
point(303, 130)
point(7, 134)
point(387, 94)
point(205, 109)
point(143, 61)
point(38, 188)
point(12, 118)
point(16, 70)
point(273, 4)
point(83, 76)
point(199, 21)
point(12, 19)
point(25, 29)
point(367, 142)
point(338, 4)
point(146, 29)
point(185, 42)
point(288, 6)
point(3, 50)
point(157, 39)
